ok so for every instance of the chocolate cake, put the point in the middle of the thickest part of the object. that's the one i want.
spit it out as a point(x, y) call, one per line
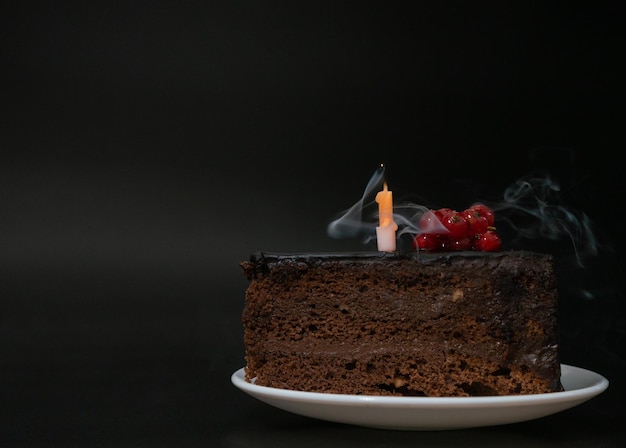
point(418, 324)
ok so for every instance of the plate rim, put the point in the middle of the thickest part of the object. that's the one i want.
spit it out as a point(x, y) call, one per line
point(597, 385)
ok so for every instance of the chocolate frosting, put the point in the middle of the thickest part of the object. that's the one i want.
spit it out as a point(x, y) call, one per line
point(425, 257)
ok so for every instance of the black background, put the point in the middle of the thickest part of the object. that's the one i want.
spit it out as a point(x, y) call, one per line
point(148, 148)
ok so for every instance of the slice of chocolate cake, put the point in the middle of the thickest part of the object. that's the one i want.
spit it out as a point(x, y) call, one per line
point(421, 324)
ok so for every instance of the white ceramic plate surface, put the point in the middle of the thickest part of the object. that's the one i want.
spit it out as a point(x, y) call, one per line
point(430, 413)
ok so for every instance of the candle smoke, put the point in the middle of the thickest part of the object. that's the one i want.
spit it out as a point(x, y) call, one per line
point(360, 220)
point(530, 210)
point(351, 223)
point(533, 209)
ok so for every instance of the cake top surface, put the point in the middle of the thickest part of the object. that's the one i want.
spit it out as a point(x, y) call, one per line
point(424, 257)
point(494, 262)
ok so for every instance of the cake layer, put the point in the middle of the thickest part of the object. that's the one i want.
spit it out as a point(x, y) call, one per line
point(433, 373)
point(417, 324)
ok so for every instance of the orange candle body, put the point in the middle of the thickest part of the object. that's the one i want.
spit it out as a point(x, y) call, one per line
point(386, 230)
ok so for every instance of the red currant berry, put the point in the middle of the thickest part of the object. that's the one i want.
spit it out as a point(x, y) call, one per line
point(476, 222)
point(488, 242)
point(442, 211)
point(464, 243)
point(486, 212)
point(426, 241)
point(431, 223)
point(455, 223)
point(444, 242)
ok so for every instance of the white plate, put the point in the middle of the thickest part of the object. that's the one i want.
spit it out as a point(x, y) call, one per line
point(430, 413)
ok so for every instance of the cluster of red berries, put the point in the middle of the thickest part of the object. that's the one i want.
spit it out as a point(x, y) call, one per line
point(449, 230)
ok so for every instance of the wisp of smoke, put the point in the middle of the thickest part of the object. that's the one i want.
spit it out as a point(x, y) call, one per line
point(350, 223)
point(360, 219)
point(531, 208)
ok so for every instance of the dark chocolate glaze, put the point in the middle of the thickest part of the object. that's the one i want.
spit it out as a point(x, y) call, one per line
point(313, 258)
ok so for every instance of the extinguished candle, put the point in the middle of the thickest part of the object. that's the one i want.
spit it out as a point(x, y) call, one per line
point(386, 230)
